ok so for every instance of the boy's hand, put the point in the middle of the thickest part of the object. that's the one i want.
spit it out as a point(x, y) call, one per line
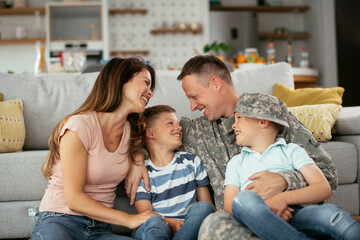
point(267, 184)
point(174, 224)
point(279, 206)
point(138, 171)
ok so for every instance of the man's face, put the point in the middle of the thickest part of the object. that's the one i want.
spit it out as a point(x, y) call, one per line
point(204, 98)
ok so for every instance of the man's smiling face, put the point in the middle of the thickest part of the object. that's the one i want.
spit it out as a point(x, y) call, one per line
point(202, 97)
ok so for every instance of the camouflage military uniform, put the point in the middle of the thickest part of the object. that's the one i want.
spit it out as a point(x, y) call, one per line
point(214, 142)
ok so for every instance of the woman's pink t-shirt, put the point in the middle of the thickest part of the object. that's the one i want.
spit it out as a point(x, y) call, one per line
point(105, 170)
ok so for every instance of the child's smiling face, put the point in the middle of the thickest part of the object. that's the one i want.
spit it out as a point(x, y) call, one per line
point(245, 129)
point(167, 130)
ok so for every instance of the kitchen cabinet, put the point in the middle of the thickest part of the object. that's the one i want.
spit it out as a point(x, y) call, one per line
point(6, 38)
point(269, 9)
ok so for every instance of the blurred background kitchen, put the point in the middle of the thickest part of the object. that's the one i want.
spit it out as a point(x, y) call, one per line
point(68, 36)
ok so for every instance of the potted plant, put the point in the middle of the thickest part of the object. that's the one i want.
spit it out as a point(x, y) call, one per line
point(216, 47)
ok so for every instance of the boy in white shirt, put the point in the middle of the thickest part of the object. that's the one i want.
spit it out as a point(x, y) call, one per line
point(179, 182)
point(258, 118)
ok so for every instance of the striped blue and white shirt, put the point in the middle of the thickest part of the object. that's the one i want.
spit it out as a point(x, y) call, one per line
point(173, 187)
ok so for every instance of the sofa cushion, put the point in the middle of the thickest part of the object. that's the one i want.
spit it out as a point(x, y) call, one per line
point(47, 99)
point(319, 119)
point(308, 96)
point(348, 121)
point(12, 128)
point(15, 223)
point(344, 157)
point(263, 79)
point(20, 176)
point(347, 197)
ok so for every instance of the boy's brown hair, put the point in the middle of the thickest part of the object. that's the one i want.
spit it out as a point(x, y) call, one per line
point(150, 114)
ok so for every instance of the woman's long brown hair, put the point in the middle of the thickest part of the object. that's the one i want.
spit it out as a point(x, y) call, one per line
point(105, 96)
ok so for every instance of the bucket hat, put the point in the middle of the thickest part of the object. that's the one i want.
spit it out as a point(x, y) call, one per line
point(263, 106)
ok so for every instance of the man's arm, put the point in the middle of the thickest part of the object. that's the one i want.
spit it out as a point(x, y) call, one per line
point(299, 134)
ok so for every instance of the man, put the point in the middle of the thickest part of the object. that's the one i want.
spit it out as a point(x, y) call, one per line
point(207, 83)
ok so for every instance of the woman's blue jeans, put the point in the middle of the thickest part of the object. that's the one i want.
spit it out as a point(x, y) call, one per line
point(60, 226)
point(313, 221)
point(156, 227)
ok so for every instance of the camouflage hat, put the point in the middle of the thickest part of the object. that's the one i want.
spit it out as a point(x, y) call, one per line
point(263, 106)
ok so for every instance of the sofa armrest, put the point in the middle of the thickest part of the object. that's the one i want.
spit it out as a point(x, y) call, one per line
point(348, 121)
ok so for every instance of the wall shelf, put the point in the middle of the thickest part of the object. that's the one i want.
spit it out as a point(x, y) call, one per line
point(164, 31)
point(9, 41)
point(260, 8)
point(273, 36)
point(125, 52)
point(21, 11)
point(128, 10)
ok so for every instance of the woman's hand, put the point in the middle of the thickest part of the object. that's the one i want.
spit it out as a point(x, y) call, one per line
point(136, 220)
point(138, 171)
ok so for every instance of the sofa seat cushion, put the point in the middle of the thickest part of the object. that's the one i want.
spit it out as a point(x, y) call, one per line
point(21, 177)
point(347, 197)
point(344, 156)
point(15, 223)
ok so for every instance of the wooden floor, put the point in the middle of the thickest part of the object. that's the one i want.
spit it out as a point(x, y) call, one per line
point(357, 218)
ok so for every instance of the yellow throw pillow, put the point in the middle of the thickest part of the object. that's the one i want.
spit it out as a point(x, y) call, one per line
point(12, 126)
point(319, 119)
point(308, 96)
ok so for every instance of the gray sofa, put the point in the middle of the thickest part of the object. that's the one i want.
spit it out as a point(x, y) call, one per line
point(48, 98)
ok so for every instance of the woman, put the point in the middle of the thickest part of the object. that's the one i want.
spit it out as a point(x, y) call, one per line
point(91, 152)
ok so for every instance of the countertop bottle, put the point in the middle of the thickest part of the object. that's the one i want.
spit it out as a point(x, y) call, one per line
point(304, 55)
point(270, 53)
point(40, 64)
point(289, 54)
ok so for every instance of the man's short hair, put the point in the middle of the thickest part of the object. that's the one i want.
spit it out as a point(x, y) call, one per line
point(206, 66)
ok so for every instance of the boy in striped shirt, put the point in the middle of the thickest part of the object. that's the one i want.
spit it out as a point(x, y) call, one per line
point(179, 182)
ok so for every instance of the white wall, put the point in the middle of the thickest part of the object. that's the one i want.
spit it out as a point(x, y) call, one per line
point(323, 54)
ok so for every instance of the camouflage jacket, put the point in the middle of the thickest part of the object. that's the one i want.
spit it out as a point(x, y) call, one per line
point(214, 142)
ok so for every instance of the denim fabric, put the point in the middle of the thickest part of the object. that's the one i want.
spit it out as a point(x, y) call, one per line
point(326, 220)
point(315, 221)
point(156, 227)
point(60, 226)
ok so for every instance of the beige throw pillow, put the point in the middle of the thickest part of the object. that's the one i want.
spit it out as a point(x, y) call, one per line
point(12, 126)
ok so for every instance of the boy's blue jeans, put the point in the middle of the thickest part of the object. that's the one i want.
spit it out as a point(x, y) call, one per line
point(314, 221)
point(60, 226)
point(156, 227)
